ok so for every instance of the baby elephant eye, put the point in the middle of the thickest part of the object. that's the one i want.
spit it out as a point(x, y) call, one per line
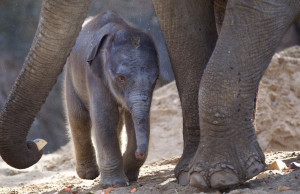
point(121, 79)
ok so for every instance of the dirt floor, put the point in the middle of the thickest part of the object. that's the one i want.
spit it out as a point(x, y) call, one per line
point(55, 173)
point(277, 124)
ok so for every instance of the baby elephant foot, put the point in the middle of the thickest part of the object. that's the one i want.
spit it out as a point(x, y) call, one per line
point(132, 175)
point(132, 166)
point(85, 171)
point(236, 168)
point(115, 179)
point(132, 170)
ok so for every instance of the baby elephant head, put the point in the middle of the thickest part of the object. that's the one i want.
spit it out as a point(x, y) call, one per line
point(127, 61)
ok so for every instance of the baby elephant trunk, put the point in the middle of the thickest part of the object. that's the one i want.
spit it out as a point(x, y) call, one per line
point(140, 115)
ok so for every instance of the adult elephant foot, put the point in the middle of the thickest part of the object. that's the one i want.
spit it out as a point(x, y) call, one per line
point(181, 170)
point(223, 163)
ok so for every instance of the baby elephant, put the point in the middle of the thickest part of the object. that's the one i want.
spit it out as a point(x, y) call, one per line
point(109, 79)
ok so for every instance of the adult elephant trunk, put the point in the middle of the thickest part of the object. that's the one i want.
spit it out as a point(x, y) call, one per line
point(60, 22)
point(140, 114)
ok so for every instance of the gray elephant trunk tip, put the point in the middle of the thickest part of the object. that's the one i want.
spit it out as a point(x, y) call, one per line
point(139, 155)
point(33, 152)
point(141, 151)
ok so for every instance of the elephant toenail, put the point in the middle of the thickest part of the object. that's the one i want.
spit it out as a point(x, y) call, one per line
point(223, 179)
point(183, 178)
point(255, 169)
point(231, 167)
point(196, 180)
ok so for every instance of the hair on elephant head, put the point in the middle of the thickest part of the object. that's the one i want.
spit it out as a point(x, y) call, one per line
point(110, 77)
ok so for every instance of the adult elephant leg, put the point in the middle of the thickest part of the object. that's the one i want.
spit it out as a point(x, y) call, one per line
point(228, 152)
point(59, 25)
point(219, 11)
point(190, 33)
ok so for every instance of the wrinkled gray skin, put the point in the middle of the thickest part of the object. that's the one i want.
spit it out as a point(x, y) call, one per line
point(110, 77)
point(217, 76)
point(226, 48)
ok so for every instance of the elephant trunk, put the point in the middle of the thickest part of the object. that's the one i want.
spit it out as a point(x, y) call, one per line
point(60, 23)
point(140, 115)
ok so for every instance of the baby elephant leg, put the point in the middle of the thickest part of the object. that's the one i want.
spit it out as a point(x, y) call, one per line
point(105, 121)
point(80, 125)
point(130, 162)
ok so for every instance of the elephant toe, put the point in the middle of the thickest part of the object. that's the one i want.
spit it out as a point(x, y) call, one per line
point(223, 179)
point(197, 180)
point(255, 168)
point(132, 176)
point(183, 178)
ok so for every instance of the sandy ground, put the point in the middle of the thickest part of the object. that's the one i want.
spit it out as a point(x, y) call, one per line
point(278, 103)
point(277, 125)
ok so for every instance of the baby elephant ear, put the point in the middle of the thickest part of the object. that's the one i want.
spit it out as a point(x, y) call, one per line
point(97, 40)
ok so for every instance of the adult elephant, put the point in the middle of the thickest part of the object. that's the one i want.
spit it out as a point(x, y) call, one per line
point(232, 64)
